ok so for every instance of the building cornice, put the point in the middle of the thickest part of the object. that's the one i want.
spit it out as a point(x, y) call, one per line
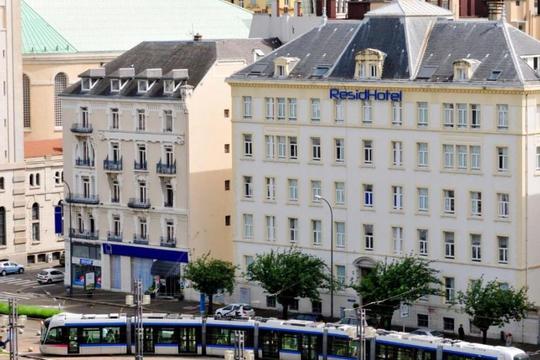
point(69, 58)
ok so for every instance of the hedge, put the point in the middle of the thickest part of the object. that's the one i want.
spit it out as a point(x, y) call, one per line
point(30, 311)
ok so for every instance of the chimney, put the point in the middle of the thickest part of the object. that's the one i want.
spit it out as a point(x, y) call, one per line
point(197, 37)
point(495, 9)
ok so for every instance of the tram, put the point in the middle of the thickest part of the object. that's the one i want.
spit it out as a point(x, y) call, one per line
point(173, 334)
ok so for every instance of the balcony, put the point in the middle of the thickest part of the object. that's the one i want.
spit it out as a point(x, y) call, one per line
point(112, 236)
point(140, 165)
point(112, 165)
point(139, 240)
point(84, 162)
point(166, 169)
point(168, 242)
point(79, 128)
point(85, 235)
point(137, 203)
point(82, 199)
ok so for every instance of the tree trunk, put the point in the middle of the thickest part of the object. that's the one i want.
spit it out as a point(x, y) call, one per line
point(210, 304)
point(285, 311)
point(484, 335)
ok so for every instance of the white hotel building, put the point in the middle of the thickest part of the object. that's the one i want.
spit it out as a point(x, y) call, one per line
point(449, 172)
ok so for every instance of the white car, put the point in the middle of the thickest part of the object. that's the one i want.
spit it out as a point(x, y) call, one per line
point(427, 332)
point(48, 276)
point(235, 311)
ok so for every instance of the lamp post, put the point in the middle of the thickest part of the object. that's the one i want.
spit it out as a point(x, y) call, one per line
point(331, 255)
point(70, 242)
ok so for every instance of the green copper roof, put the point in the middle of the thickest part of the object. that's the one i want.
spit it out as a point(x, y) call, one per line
point(38, 36)
point(119, 25)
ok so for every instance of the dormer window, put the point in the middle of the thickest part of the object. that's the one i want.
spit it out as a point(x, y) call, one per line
point(464, 69)
point(373, 71)
point(461, 74)
point(283, 66)
point(142, 86)
point(86, 84)
point(115, 85)
point(369, 64)
point(168, 86)
point(280, 70)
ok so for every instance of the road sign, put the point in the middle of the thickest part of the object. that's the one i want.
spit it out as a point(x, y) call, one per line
point(403, 310)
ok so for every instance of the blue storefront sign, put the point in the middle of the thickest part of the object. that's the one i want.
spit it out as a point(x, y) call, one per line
point(86, 262)
point(177, 256)
point(366, 94)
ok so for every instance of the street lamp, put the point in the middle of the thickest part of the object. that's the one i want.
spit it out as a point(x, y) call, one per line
point(70, 242)
point(319, 197)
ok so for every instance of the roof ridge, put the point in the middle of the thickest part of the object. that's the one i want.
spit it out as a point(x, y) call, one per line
point(513, 54)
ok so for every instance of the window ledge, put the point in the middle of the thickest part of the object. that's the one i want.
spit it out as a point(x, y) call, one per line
point(422, 169)
point(371, 166)
point(269, 201)
point(340, 206)
point(315, 205)
point(339, 164)
point(474, 217)
point(395, 211)
point(447, 215)
point(248, 199)
point(365, 208)
point(315, 163)
point(502, 174)
point(247, 158)
point(293, 203)
point(400, 168)
point(35, 242)
point(422, 213)
point(503, 220)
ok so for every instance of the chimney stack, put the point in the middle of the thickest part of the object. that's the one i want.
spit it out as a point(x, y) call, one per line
point(495, 9)
point(197, 37)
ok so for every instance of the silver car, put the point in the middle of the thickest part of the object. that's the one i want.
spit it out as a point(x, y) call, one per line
point(48, 276)
point(9, 267)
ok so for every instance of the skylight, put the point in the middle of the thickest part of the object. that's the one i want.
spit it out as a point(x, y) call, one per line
point(495, 74)
point(320, 71)
point(258, 69)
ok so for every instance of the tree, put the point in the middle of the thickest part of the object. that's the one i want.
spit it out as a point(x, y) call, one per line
point(288, 275)
point(493, 304)
point(387, 285)
point(210, 277)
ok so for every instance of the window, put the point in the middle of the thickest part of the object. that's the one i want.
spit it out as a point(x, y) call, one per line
point(423, 199)
point(2, 184)
point(316, 149)
point(502, 116)
point(26, 102)
point(449, 290)
point(340, 150)
point(115, 119)
point(3, 233)
point(316, 232)
point(271, 228)
point(340, 234)
point(462, 115)
point(271, 301)
point(476, 250)
point(270, 188)
point(475, 116)
point(168, 86)
point(281, 108)
point(293, 230)
point(503, 208)
point(368, 195)
point(169, 196)
point(58, 178)
point(366, 112)
point(422, 242)
point(226, 148)
point(315, 190)
point(248, 226)
point(422, 320)
point(339, 111)
point(60, 84)
point(368, 236)
point(340, 274)
point(293, 147)
point(476, 203)
point(83, 113)
point(248, 145)
point(340, 192)
point(248, 187)
point(115, 192)
point(141, 120)
point(538, 158)
point(115, 85)
point(246, 100)
point(142, 86)
point(502, 158)
point(86, 84)
point(449, 246)
point(292, 108)
point(90, 336)
point(448, 115)
point(315, 109)
point(397, 239)
point(270, 147)
point(503, 248)
point(448, 324)
point(293, 189)
point(397, 113)
point(227, 184)
point(368, 152)
point(475, 157)
point(397, 153)
point(35, 222)
point(448, 152)
point(422, 157)
point(269, 108)
point(422, 114)
point(462, 156)
point(140, 163)
point(316, 307)
point(397, 197)
point(167, 121)
point(449, 201)
point(281, 147)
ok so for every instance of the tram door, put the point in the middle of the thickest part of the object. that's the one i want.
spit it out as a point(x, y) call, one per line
point(73, 341)
point(270, 345)
point(309, 347)
point(148, 340)
point(188, 341)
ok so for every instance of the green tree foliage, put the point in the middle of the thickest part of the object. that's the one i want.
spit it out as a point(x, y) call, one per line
point(493, 304)
point(210, 277)
point(289, 274)
point(386, 285)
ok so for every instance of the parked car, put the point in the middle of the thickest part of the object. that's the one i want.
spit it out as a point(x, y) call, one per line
point(307, 317)
point(428, 332)
point(10, 267)
point(235, 310)
point(49, 276)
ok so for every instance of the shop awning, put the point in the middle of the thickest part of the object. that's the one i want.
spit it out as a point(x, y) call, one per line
point(165, 268)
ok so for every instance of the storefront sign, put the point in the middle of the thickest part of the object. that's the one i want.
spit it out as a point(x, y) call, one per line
point(86, 262)
point(367, 94)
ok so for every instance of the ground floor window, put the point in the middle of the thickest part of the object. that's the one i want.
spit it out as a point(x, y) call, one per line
point(79, 272)
point(141, 270)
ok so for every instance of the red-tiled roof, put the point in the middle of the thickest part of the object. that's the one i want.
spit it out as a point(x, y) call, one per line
point(41, 148)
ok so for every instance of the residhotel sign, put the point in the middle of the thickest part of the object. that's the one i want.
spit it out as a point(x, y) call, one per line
point(379, 95)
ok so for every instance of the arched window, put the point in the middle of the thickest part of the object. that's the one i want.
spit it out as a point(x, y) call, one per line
point(26, 101)
point(3, 240)
point(35, 222)
point(31, 179)
point(60, 84)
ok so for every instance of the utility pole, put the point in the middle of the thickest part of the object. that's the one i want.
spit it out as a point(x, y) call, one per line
point(361, 330)
point(138, 299)
point(12, 330)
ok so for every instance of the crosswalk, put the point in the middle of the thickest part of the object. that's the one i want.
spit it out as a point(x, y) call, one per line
point(20, 284)
point(13, 280)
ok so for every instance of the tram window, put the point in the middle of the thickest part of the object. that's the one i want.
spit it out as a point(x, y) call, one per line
point(166, 336)
point(339, 346)
point(111, 335)
point(55, 336)
point(289, 342)
point(217, 336)
point(90, 336)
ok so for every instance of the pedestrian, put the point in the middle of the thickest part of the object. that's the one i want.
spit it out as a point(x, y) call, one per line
point(509, 339)
point(461, 332)
point(2, 343)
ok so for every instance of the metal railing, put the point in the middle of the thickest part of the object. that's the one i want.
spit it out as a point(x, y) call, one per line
point(112, 236)
point(166, 169)
point(112, 165)
point(84, 162)
point(81, 128)
point(168, 242)
point(83, 199)
point(137, 203)
point(85, 235)
point(140, 165)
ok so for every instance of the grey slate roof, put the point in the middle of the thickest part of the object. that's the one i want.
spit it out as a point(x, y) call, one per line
point(196, 56)
point(418, 48)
